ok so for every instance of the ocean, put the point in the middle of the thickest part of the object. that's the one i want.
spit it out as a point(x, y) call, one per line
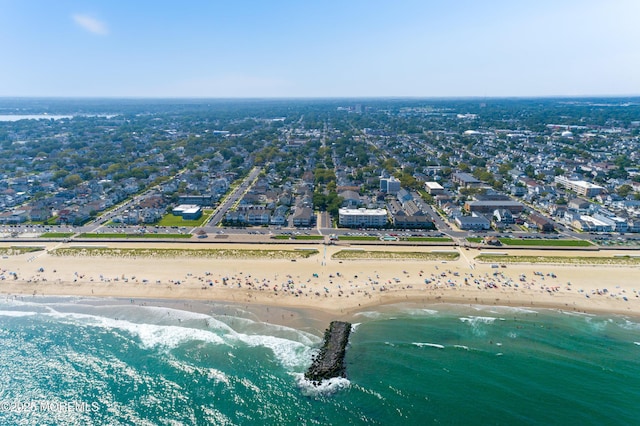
point(79, 361)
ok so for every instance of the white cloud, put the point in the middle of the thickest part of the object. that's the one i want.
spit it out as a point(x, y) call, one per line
point(90, 24)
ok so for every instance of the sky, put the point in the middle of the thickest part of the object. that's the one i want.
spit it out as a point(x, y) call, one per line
point(322, 48)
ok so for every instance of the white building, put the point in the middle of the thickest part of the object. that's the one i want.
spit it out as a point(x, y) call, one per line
point(188, 211)
point(362, 218)
point(434, 188)
point(581, 187)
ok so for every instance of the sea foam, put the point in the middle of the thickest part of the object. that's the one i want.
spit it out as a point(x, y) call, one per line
point(432, 345)
point(290, 353)
point(479, 320)
point(324, 388)
point(17, 313)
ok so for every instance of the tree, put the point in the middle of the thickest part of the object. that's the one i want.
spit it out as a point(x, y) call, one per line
point(71, 181)
point(333, 203)
point(319, 201)
point(60, 173)
point(529, 171)
point(624, 190)
point(504, 168)
point(408, 181)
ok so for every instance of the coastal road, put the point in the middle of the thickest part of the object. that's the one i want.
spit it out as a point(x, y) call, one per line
point(323, 224)
point(232, 198)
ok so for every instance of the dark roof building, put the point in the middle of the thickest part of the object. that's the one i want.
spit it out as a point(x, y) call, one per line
point(465, 179)
point(491, 206)
point(472, 222)
point(543, 224)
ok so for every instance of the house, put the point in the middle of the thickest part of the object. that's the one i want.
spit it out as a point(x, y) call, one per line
point(579, 204)
point(442, 200)
point(73, 215)
point(633, 225)
point(129, 217)
point(153, 202)
point(279, 216)
point(618, 224)
point(517, 190)
point(403, 196)
point(503, 216)
point(219, 186)
point(541, 223)
point(258, 216)
point(351, 199)
point(590, 224)
point(13, 217)
point(39, 214)
point(303, 217)
point(151, 215)
point(473, 222)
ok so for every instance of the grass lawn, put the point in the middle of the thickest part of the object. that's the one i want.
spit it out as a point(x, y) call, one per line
point(428, 239)
point(125, 236)
point(56, 234)
point(476, 240)
point(357, 238)
point(562, 260)
point(171, 220)
point(543, 242)
point(297, 237)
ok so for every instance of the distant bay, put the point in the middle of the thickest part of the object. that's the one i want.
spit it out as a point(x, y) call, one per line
point(13, 117)
point(18, 117)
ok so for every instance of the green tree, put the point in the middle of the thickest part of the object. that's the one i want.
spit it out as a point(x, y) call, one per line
point(624, 190)
point(71, 181)
point(529, 171)
point(319, 201)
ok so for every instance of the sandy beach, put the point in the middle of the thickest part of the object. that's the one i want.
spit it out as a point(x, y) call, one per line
point(335, 287)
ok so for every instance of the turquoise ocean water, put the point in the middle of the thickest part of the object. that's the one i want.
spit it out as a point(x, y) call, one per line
point(91, 361)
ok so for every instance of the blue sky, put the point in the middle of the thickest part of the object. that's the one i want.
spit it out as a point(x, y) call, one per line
point(322, 48)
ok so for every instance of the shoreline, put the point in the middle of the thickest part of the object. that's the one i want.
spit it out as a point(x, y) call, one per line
point(324, 287)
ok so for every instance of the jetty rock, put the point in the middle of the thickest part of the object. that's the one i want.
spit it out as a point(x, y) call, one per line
point(330, 361)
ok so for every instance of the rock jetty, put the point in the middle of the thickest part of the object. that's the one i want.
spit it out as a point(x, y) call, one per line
point(330, 361)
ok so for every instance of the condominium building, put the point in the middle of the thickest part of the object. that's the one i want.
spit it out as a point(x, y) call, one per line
point(362, 218)
point(580, 187)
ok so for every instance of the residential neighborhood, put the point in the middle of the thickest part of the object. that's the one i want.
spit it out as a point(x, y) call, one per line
point(557, 166)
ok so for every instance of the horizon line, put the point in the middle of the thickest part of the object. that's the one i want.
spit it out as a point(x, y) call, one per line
point(204, 98)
